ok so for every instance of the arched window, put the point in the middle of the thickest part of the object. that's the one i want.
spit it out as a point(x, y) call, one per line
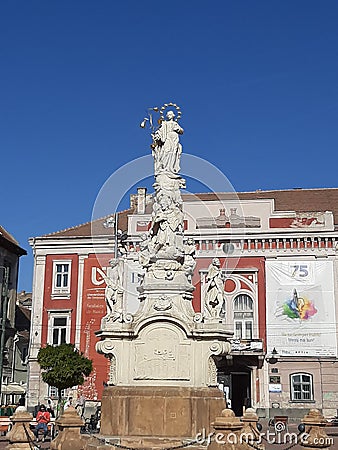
point(301, 387)
point(243, 316)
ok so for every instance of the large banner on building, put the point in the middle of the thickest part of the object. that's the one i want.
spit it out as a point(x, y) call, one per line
point(93, 309)
point(301, 308)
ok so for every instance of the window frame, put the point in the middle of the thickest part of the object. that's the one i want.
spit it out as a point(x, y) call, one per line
point(53, 392)
point(63, 291)
point(243, 321)
point(58, 315)
point(301, 384)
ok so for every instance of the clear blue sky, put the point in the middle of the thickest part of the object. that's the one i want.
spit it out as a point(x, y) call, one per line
point(257, 82)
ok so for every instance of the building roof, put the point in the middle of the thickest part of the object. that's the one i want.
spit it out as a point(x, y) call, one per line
point(24, 299)
point(9, 242)
point(97, 227)
point(22, 318)
point(299, 200)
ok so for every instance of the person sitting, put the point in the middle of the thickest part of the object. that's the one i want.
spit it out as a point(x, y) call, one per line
point(43, 419)
point(68, 403)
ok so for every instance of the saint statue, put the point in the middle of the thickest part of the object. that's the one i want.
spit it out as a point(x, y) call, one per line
point(163, 246)
point(189, 258)
point(167, 224)
point(214, 291)
point(167, 149)
point(114, 287)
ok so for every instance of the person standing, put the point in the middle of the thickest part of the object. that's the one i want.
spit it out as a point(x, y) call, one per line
point(51, 407)
point(43, 419)
point(22, 400)
point(79, 406)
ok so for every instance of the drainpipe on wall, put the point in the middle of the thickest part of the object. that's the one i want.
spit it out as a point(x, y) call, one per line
point(4, 307)
point(15, 341)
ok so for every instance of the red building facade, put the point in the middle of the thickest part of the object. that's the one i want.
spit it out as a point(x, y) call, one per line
point(270, 244)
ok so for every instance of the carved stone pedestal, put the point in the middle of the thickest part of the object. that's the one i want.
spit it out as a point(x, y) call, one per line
point(316, 436)
point(20, 436)
point(69, 437)
point(137, 415)
point(228, 431)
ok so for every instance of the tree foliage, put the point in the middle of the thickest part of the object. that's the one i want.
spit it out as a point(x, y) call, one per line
point(63, 366)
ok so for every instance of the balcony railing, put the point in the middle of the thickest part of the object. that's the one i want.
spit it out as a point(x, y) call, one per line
point(252, 345)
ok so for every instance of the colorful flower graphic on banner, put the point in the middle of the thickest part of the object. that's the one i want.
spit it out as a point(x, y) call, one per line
point(299, 307)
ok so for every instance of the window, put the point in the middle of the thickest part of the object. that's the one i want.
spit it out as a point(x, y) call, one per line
point(24, 354)
point(243, 317)
point(59, 330)
point(53, 392)
point(274, 379)
point(61, 278)
point(134, 277)
point(301, 387)
point(5, 279)
point(59, 327)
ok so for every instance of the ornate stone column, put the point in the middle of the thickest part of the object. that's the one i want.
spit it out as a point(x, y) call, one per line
point(315, 434)
point(251, 428)
point(163, 358)
point(227, 433)
point(69, 437)
point(20, 436)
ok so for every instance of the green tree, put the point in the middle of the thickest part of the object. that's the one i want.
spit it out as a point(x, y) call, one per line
point(63, 366)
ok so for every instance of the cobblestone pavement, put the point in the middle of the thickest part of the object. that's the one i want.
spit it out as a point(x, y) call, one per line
point(4, 442)
point(283, 445)
point(288, 439)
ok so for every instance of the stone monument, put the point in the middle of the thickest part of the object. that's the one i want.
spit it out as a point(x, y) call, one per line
point(163, 375)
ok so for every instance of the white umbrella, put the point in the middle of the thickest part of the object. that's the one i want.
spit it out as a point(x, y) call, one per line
point(12, 389)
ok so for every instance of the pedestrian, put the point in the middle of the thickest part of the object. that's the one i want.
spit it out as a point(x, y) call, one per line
point(36, 409)
point(43, 419)
point(51, 407)
point(22, 400)
point(68, 403)
point(80, 405)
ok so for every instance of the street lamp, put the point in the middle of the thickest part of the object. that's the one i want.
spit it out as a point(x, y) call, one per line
point(119, 236)
point(3, 318)
point(273, 358)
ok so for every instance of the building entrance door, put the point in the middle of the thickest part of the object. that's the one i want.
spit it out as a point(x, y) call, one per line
point(241, 396)
point(237, 389)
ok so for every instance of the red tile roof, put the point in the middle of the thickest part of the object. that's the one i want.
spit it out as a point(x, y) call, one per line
point(4, 233)
point(96, 227)
point(8, 241)
point(300, 200)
